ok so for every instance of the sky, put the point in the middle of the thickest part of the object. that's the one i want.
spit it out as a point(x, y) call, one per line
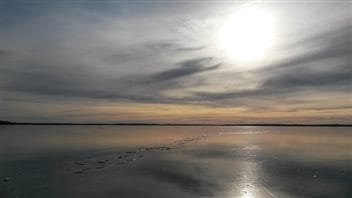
point(169, 62)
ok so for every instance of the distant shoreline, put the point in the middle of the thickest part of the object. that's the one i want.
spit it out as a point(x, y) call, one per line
point(173, 124)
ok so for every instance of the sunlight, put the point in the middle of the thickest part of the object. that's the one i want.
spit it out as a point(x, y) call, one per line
point(247, 35)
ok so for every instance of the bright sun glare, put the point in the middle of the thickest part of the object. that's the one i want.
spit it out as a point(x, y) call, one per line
point(247, 35)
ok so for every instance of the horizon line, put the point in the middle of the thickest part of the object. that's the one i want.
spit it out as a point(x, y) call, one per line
point(3, 122)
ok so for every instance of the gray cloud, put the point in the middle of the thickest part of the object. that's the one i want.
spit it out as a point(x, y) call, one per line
point(327, 68)
point(333, 44)
point(301, 77)
point(72, 83)
point(149, 87)
point(162, 45)
point(190, 48)
point(172, 46)
point(119, 58)
point(188, 67)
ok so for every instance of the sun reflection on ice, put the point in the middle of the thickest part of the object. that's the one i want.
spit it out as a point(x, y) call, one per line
point(247, 184)
point(248, 180)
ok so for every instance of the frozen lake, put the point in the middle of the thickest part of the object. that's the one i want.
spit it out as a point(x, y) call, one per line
point(175, 162)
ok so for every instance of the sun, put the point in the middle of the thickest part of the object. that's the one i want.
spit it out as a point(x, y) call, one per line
point(247, 35)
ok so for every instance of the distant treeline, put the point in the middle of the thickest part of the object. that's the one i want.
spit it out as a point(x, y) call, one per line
point(174, 124)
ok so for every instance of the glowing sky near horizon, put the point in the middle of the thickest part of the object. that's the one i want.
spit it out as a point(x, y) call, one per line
point(207, 62)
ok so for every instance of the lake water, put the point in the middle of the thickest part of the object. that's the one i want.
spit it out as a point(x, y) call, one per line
point(175, 162)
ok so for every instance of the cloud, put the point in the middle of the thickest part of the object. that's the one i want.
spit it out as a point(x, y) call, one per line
point(146, 55)
point(327, 45)
point(190, 48)
point(327, 68)
point(188, 67)
point(141, 87)
point(305, 78)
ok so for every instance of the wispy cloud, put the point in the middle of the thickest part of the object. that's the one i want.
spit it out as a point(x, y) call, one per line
point(142, 54)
